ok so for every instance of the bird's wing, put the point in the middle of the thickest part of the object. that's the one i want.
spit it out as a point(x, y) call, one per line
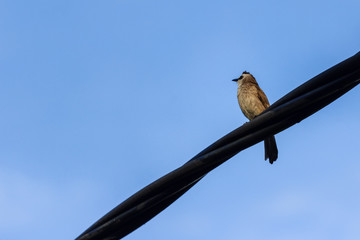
point(262, 97)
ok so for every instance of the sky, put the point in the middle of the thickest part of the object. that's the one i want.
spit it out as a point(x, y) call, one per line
point(100, 98)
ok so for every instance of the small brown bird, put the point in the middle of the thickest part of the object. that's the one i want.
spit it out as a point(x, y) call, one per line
point(253, 101)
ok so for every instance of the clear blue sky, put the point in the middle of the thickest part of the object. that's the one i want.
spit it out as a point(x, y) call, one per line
point(100, 98)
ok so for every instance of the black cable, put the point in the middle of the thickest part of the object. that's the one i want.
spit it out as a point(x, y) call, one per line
point(287, 111)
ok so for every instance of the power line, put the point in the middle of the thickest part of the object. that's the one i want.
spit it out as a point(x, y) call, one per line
point(295, 106)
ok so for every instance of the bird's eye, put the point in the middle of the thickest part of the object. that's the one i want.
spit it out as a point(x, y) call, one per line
point(241, 77)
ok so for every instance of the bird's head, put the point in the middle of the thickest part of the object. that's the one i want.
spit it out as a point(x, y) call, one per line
point(245, 74)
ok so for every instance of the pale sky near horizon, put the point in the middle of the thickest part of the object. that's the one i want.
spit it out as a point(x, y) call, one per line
point(100, 98)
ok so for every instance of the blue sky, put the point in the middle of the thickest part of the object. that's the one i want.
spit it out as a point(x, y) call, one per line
point(100, 98)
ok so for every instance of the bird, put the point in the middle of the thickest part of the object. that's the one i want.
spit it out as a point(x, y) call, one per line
point(253, 101)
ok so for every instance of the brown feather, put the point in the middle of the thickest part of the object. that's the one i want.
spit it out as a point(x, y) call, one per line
point(253, 101)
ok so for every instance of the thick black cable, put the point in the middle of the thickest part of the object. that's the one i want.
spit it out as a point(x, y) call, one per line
point(289, 110)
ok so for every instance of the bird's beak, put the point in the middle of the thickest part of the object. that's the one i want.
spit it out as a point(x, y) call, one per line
point(235, 80)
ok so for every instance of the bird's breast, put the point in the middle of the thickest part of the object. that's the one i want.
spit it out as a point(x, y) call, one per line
point(248, 100)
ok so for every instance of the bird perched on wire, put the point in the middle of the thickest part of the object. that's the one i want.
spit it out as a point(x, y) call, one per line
point(253, 101)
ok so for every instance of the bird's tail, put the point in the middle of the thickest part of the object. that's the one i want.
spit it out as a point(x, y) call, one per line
point(271, 151)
